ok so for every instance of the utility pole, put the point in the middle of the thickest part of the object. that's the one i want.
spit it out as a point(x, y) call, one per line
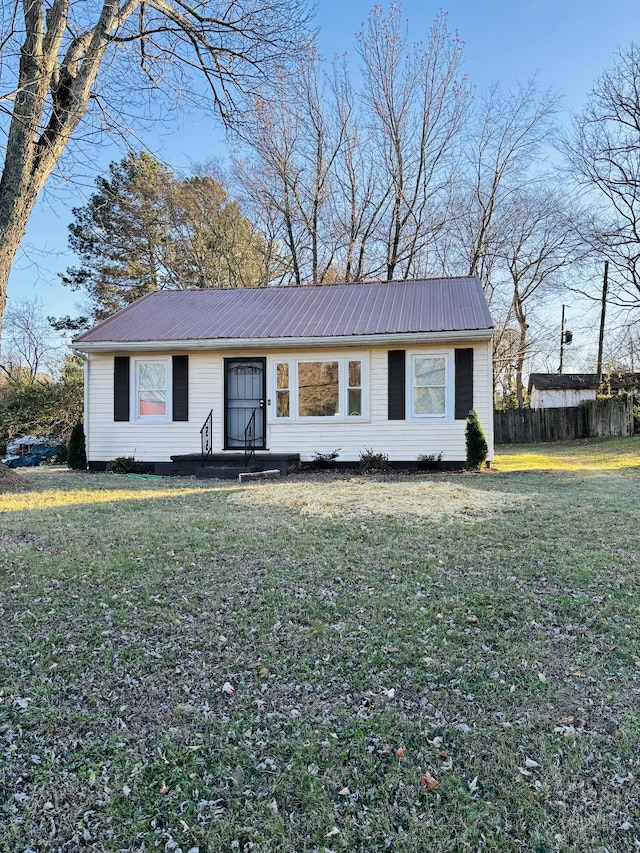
point(565, 338)
point(561, 341)
point(603, 310)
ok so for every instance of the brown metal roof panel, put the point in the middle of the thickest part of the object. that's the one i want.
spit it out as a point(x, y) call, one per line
point(309, 311)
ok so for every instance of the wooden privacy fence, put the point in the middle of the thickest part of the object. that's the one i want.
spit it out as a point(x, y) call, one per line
point(612, 416)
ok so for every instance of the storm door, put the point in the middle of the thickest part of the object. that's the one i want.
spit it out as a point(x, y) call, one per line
point(244, 392)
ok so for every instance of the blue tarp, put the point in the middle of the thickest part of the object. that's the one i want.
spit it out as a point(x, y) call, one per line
point(37, 454)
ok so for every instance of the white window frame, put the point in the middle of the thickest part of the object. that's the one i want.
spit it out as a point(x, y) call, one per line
point(151, 419)
point(343, 388)
point(449, 389)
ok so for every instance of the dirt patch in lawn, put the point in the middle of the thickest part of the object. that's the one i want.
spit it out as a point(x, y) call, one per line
point(12, 482)
point(362, 498)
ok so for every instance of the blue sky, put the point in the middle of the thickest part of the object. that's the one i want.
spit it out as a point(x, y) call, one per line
point(566, 44)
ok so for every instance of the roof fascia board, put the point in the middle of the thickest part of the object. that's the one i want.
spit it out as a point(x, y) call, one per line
point(284, 343)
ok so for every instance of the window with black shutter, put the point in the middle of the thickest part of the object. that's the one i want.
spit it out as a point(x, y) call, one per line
point(121, 388)
point(396, 378)
point(464, 383)
point(180, 388)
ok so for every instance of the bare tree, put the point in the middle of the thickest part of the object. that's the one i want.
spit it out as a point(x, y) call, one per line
point(29, 346)
point(540, 240)
point(604, 153)
point(64, 61)
point(292, 145)
point(501, 158)
point(417, 105)
point(362, 190)
point(360, 181)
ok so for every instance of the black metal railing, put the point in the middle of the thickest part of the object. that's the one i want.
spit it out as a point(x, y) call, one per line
point(206, 441)
point(250, 438)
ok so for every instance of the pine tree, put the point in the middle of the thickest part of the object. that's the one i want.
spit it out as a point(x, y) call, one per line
point(476, 443)
point(76, 451)
point(145, 230)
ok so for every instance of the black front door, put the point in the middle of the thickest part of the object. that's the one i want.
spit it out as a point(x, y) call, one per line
point(244, 394)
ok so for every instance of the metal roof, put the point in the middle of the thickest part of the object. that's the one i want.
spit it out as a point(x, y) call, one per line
point(585, 381)
point(311, 311)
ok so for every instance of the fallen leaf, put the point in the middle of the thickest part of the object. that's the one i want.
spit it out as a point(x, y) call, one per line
point(530, 763)
point(473, 784)
point(401, 752)
point(237, 776)
point(427, 781)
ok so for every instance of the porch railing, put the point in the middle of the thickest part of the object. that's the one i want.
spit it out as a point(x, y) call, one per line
point(250, 438)
point(206, 441)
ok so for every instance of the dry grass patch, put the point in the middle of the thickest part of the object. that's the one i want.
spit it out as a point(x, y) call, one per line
point(362, 497)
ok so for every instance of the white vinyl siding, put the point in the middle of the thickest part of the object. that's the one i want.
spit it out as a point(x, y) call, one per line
point(402, 440)
point(152, 441)
point(559, 398)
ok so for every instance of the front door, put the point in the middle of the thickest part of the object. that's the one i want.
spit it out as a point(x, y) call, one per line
point(244, 393)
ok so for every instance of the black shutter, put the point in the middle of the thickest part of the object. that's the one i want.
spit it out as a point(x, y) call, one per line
point(396, 384)
point(121, 388)
point(180, 390)
point(464, 382)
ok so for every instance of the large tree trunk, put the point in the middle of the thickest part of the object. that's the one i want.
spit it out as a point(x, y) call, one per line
point(518, 310)
point(61, 44)
point(52, 97)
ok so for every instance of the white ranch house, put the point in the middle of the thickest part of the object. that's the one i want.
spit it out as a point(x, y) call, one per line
point(287, 372)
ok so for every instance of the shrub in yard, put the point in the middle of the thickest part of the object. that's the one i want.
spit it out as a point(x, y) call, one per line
point(323, 460)
point(476, 443)
point(123, 465)
point(370, 461)
point(429, 461)
point(76, 450)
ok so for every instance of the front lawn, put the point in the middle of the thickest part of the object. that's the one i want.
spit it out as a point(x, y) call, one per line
point(439, 663)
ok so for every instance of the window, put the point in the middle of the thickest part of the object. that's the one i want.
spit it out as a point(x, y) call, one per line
point(151, 390)
point(429, 386)
point(354, 390)
point(318, 389)
point(283, 394)
point(331, 388)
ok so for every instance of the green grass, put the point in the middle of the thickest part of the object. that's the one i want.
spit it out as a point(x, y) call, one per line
point(498, 655)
